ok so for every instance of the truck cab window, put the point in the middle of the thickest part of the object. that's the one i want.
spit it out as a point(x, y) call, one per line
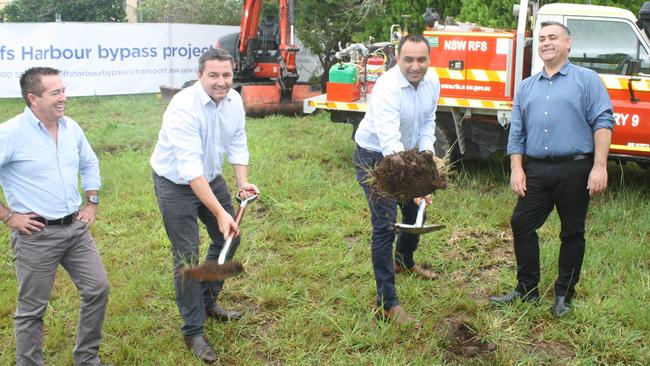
point(605, 46)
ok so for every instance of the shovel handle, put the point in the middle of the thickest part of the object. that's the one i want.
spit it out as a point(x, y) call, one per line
point(419, 220)
point(238, 218)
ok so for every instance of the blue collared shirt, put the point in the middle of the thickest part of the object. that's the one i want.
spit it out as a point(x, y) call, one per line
point(400, 117)
point(40, 176)
point(197, 134)
point(558, 116)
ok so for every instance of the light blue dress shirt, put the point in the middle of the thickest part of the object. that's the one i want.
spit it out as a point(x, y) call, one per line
point(197, 134)
point(40, 176)
point(400, 117)
point(557, 116)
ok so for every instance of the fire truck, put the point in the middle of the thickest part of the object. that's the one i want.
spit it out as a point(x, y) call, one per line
point(480, 69)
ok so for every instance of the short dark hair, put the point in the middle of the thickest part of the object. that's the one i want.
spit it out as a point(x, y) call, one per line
point(30, 81)
point(215, 54)
point(415, 38)
point(549, 23)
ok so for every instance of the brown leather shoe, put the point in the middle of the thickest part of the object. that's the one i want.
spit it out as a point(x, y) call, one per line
point(399, 316)
point(218, 313)
point(201, 349)
point(422, 270)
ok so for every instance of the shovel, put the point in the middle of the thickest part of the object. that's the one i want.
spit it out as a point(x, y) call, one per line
point(238, 217)
point(418, 227)
point(220, 269)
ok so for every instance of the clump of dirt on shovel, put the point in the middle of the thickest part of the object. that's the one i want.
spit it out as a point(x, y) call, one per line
point(211, 270)
point(407, 175)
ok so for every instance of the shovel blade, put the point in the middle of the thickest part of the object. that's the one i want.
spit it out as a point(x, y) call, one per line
point(410, 229)
point(213, 271)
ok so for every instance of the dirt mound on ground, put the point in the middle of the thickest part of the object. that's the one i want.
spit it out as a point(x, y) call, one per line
point(406, 175)
point(463, 341)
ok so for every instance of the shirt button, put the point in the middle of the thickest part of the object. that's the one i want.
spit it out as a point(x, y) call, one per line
point(547, 97)
point(545, 113)
point(545, 130)
point(550, 82)
point(545, 147)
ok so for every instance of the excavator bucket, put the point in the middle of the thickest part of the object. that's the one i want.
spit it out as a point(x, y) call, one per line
point(263, 100)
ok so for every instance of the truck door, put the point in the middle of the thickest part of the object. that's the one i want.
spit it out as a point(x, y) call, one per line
point(448, 59)
point(606, 45)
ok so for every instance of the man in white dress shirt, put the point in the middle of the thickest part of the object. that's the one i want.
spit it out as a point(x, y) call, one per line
point(202, 124)
point(401, 116)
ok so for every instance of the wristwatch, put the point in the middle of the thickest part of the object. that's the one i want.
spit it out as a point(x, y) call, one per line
point(93, 199)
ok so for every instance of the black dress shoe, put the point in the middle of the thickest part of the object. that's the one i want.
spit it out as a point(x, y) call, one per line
point(201, 349)
point(562, 306)
point(510, 297)
point(218, 313)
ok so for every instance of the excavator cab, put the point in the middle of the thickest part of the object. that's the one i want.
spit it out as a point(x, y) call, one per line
point(265, 61)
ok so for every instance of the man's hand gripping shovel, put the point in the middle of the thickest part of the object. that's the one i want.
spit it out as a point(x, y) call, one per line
point(221, 269)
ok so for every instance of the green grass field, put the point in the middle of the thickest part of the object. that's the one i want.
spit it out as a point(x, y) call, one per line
point(309, 290)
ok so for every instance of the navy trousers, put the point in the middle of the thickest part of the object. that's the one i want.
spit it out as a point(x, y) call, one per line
point(383, 214)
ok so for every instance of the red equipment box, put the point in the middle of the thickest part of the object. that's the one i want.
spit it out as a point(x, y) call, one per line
point(342, 92)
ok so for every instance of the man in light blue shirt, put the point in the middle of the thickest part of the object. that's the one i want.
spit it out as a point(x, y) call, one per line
point(400, 116)
point(202, 125)
point(42, 155)
point(560, 132)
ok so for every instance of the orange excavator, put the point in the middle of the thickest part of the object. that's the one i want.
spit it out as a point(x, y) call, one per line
point(265, 61)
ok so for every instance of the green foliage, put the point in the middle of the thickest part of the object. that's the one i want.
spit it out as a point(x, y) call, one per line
point(489, 13)
point(324, 25)
point(393, 11)
point(498, 13)
point(70, 11)
point(220, 12)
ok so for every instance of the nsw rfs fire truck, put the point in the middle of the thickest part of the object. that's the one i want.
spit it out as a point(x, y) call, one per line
point(480, 69)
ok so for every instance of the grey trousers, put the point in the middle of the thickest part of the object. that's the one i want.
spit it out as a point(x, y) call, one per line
point(36, 258)
point(180, 209)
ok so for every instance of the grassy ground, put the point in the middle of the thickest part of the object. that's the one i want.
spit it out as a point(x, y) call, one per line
point(309, 289)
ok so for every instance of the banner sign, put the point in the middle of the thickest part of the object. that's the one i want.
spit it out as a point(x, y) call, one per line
point(106, 58)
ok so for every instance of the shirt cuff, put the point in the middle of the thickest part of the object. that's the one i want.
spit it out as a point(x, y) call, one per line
point(392, 149)
point(514, 151)
point(239, 158)
point(426, 146)
point(190, 171)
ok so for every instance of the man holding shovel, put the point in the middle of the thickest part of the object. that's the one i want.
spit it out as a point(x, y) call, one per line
point(202, 124)
point(401, 116)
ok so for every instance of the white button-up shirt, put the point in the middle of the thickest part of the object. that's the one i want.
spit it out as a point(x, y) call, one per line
point(400, 116)
point(197, 133)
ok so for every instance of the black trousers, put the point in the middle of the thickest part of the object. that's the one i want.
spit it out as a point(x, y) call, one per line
point(563, 186)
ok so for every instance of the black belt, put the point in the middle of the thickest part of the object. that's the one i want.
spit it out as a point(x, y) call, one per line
point(67, 220)
point(560, 159)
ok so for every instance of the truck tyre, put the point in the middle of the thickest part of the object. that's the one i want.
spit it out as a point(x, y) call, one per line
point(446, 144)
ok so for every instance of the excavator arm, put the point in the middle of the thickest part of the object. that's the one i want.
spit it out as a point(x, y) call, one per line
point(265, 61)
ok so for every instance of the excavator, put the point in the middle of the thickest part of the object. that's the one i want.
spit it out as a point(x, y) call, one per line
point(265, 61)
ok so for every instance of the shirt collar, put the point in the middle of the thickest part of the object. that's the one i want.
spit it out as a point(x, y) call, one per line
point(31, 118)
point(563, 71)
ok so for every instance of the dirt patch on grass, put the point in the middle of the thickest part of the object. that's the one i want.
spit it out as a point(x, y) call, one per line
point(406, 175)
point(260, 209)
point(462, 340)
point(486, 254)
point(555, 353)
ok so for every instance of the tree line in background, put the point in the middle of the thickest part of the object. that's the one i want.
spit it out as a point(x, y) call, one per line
point(322, 25)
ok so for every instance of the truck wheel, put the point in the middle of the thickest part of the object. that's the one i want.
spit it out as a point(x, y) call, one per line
point(446, 144)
